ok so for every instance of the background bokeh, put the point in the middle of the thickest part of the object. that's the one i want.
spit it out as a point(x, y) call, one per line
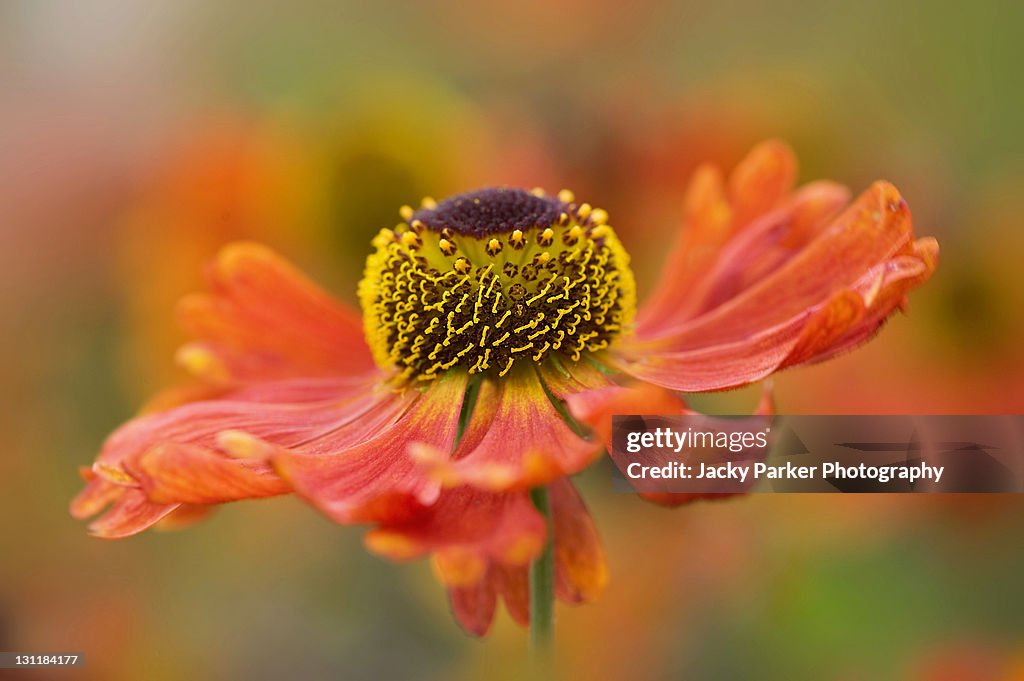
point(137, 137)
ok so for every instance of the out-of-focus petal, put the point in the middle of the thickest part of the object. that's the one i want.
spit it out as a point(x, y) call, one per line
point(373, 479)
point(263, 319)
point(466, 530)
point(474, 606)
point(714, 212)
point(836, 291)
point(512, 582)
point(128, 511)
point(515, 440)
point(581, 573)
point(482, 544)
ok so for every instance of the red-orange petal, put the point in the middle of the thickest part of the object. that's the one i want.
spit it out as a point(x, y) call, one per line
point(156, 462)
point(581, 573)
point(466, 530)
point(130, 513)
point(512, 583)
point(374, 479)
point(264, 319)
point(713, 213)
point(474, 606)
point(761, 180)
point(184, 473)
point(800, 312)
point(515, 440)
point(766, 245)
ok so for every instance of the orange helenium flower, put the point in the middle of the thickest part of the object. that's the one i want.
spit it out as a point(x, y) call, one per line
point(500, 337)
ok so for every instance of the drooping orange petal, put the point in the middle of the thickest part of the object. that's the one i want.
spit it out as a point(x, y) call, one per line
point(128, 510)
point(156, 462)
point(800, 311)
point(512, 583)
point(183, 473)
point(263, 319)
point(474, 606)
point(477, 574)
point(130, 513)
point(515, 440)
point(581, 573)
point(97, 495)
point(283, 412)
point(765, 407)
point(374, 479)
point(466, 530)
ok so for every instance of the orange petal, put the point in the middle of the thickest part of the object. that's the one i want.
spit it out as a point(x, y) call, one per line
point(130, 513)
point(581, 573)
point(373, 479)
point(712, 215)
point(191, 474)
point(264, 319)
point(466, 529)
point(706, 226)
point(512, 583)
point(802, 311)
point(595, 408)
point(884, 289)
point(473, 606)
point(761, 180)
point(580, 569)
point(763, 247)
point(97, 495)
point(178, 455)
point(515, 440)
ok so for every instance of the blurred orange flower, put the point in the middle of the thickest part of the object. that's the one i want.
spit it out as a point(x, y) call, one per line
point(501, 332)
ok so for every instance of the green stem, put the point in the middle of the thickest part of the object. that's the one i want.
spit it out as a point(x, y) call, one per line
point(542, 584)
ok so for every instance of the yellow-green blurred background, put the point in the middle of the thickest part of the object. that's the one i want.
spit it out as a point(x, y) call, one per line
point(135, 137)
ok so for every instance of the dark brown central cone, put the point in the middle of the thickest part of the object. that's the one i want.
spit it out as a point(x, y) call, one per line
point(494, 210)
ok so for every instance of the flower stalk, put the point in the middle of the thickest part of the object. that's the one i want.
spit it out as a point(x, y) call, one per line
point(542, 584)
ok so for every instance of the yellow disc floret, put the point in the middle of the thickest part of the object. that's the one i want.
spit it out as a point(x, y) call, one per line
point(487, 279)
